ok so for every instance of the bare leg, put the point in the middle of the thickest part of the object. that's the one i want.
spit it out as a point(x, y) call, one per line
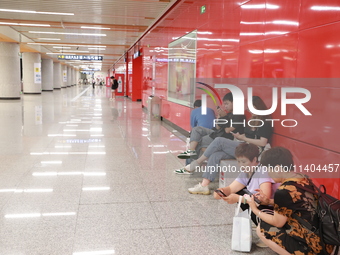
point(193, 145)
point(205, 182)
point(201, 159)
point(274, 246)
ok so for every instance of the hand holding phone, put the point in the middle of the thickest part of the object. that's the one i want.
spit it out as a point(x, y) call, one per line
point(251, 194)
point(220, 193)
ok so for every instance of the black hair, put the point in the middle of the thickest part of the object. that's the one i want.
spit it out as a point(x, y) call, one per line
point(278, 156)
point(228, 97)
point(198, 103)
point(248, 150)
point(112, 77)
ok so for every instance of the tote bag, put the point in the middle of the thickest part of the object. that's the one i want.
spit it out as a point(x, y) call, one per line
point(242, 233)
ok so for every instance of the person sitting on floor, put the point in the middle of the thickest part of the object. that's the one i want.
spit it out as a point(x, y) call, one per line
point(223, 148)
point(201, 137)
point(197, 119)
point(282, 232)
point(251, 178)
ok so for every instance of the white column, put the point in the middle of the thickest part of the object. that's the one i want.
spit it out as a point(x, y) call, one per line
point(31, 64)
point(47, 74)
point(69, 77)
point(77, 77)
point(64, 76)
point(72, 76)
point(57, 77)
point(10, 85)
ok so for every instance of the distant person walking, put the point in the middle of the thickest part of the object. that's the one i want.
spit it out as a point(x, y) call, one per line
point(114, 86)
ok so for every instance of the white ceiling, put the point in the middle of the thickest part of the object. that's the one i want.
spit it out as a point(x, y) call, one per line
point(127, 20)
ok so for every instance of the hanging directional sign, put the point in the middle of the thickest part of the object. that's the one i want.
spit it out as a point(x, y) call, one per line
point(80, 57)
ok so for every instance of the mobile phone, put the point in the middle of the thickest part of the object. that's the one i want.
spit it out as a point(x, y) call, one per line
point(220, 193)
point(251, 194)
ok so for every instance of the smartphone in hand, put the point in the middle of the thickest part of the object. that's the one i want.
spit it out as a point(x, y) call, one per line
point(220, 193)
point(251, 194)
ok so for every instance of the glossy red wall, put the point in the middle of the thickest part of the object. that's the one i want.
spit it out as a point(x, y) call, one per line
point(269, 39)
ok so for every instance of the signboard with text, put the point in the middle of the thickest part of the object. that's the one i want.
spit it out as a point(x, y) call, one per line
point(80, 57)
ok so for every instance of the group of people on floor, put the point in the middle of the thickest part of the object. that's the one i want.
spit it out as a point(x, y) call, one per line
point(275, 189)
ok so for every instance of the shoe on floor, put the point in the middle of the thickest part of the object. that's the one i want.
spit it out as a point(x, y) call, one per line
point(199, 189)
point(182, 171)
point(261, 244)
point(187, 154)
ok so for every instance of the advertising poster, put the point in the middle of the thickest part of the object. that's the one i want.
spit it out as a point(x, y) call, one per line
point(182, 68)
point(37, 72)
point(120, 79)
point(64, 75)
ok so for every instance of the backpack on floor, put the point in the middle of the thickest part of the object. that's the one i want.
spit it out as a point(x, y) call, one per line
point(328, 210)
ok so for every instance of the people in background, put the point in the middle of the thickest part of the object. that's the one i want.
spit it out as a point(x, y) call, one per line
point(201, 137)
point(197, 119)
point(282, 232)
point(222, 148)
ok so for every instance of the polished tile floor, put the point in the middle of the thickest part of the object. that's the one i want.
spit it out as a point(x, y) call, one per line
point(81, 174)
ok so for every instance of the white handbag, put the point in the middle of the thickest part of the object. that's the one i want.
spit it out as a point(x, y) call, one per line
point(242, 233)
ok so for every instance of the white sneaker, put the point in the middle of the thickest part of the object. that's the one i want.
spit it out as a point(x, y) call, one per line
point(187, 154)
point(182, 171)
point(261, 244)
point(199, 189)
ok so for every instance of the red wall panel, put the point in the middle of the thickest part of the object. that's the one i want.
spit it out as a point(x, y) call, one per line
point(282, 42)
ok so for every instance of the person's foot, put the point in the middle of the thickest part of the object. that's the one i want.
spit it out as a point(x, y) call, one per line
point(182, 171)
point(192, 166)
point(261, 244)
point(187, 154)
point(199, 189)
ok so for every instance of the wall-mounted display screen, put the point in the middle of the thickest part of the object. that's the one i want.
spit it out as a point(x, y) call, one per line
point(182, 69)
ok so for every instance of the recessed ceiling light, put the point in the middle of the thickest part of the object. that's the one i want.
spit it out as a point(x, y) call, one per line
point(75, 51)
point(61, 47)
point(35, 12)
point(24, 24)
point(49, 39)
point(60, 33)
point(61, 44)
point(96, 49)
point(96, 27)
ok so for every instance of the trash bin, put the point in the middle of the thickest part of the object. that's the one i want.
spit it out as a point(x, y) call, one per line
point(154, 107)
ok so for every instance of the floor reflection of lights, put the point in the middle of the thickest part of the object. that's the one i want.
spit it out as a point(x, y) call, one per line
point(26, 190)
point(68, 173)
point(37, 215)
point(66, 153)
point(95, 188)
point(104, 252)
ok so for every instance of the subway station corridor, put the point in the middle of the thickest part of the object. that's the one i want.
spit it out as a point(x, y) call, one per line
point(81, 174)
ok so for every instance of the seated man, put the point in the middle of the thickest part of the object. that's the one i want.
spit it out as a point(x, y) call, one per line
point(201, 137)
point(197, 119)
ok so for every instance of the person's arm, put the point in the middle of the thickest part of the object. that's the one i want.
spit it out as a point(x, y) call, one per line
point(193, 121)
point(229, 129)
point(266, 188)
point(265, 200)
point(258, 142)
point(276, 220)
point(234, 187)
